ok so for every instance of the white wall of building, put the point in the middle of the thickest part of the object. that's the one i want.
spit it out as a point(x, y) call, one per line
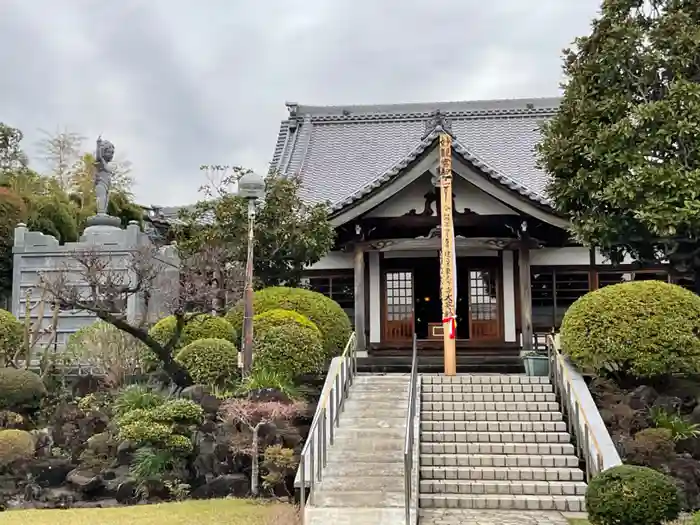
point(375, 299)
point(509, 297)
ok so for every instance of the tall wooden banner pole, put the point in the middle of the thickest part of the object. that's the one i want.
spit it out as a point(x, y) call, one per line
point(447, 256)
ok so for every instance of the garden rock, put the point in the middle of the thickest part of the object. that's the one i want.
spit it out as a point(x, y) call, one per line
point(695, 415)
point(85, 481)
point(686, 472)
point(237, 485)
point(670, 404)
point(125, 452)
point(126, 492)
point(642, 397)
point(50, 472)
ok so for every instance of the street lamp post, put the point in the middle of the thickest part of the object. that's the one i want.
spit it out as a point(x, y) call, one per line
point(251, 187)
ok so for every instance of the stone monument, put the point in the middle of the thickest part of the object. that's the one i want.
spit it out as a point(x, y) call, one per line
point(104, 153)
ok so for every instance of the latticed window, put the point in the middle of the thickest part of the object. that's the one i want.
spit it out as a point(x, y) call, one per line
point(553, 292)
point(340, 288)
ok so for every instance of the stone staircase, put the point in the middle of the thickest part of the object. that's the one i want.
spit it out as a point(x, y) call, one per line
point(496, 442)
point(363, 482)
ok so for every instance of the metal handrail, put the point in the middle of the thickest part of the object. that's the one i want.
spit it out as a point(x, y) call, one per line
point(322, 430)
point(577, 421)
point(410, 427)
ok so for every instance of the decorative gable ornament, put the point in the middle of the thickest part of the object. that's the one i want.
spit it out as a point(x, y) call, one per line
point(437, 122)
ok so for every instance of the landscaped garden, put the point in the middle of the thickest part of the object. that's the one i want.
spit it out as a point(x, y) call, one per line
point(130, 433)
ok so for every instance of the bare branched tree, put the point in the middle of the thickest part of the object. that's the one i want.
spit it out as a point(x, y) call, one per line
point(104, 284)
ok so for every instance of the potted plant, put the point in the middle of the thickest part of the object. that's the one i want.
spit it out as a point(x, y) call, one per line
point(536, 363)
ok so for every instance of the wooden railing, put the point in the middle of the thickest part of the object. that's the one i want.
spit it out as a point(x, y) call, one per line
point(592, 440)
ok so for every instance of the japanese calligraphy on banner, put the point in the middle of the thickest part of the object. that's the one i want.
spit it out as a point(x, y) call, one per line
point(448, 255)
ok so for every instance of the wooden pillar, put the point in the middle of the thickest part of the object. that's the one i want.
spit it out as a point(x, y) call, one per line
point(360, 298)
point(525, 294)
point(447, 256)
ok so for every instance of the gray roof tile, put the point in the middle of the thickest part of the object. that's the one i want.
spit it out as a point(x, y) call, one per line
point(342, 152)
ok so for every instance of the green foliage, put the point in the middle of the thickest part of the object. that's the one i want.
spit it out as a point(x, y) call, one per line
point(145, 431)
point(177, 444)
point(278, 462)
point(20, 390)
point(696, 518)
point(630, 495)
point(54, 215)
point(181, 411)
point(136, 397)
point(12, 212)
point(623, 147)
point(324, 312)
point(12, 158)
point(289, 349)
point(11, 337)
point(210, 361)
point(290, 234)
point(202, 326)
point(644, 328)
point(15, 445)
point(262, 322)
point(262, 378)
point(680, 428)
point(651, 447)
point(108, 350)
point(151, 464)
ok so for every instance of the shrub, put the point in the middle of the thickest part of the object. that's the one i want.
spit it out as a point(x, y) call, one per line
point(328, 316)
point(181, 411)
point(210, 361)
point(265, 379)
point(278, 316)
point(200, 327)
point(145, 432)
point(630, 495)
point(15, 445)
point(107, 350)
point(136, 397)
point(178, 444)
point(645, 328)
point(20, 390)
point(11, 337)
point(679, 427)
point(652, 447)
point(289, 349)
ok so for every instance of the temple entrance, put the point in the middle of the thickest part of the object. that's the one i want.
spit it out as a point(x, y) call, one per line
point(412, 300)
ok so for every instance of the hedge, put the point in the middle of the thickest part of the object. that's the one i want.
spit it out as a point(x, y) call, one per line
point(262, 322)
point(11, 336)
point(210, 361)
point(20, 390)
point(645, 328)
point(324, 312)
point(15, 445)
point(291, 350)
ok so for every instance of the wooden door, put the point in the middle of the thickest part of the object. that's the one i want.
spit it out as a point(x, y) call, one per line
point(398, 300)
point(483, 304)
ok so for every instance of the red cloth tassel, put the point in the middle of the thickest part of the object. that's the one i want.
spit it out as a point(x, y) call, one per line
point(453, 326)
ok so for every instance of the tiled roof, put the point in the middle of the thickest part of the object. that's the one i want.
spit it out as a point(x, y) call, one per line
point(343, 152)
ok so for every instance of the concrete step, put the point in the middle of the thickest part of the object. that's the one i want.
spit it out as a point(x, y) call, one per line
point(338, 456)
point(449, 406)
point(357, 516)
point(495, 437)
point(370, 422)
point(507, 388)
point(376, 395)
point(488, 379)
point(461, 415)
point(515, 488)
point(499, 460)
point(354, 433)
point(364, 498)
point(502, 473)
point(493, 426)
point(386, 403)
point(369, 443)
point(503, 502)
point(359, 469)
point(361, 483)
point(487, 397)
point(508, 449)
point(363, 411)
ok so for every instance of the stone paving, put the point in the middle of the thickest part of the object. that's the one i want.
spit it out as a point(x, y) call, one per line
point(489, 517)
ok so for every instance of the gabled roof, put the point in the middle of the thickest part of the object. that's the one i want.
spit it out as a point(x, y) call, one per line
point(344, 152)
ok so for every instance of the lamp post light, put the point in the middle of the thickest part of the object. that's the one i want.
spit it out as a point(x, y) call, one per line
point(251, 187)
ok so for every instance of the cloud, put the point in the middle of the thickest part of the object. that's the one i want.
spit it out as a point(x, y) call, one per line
point(177, 84)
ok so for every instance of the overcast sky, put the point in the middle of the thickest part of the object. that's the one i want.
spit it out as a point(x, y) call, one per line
point(180, 83)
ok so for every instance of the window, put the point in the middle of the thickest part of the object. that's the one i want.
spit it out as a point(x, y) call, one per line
point(553, 292)
point(340, 288)
point(623, 276)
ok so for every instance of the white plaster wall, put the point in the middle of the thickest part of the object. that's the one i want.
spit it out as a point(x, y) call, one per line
point(575, 255)
point(334, 261)
point(508, 297)
point(466, 196)
point(375, 300)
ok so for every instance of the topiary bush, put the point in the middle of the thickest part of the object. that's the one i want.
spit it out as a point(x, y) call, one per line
point(210, 361)
point(20, 390)
point(15, 445)
point(290, 349)
point(644, 328)
point(11, 337)
point(262, 322)
point(180, 411)
point(324, 312)
point(631, 495)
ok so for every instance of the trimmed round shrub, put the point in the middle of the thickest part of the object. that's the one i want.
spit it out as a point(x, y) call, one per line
point(629, 495)
point(182, 411)
point(203, 326)
point(278, 316)
point(289, 349)
point(15, 445)
point(209, 361)
point(20, 390)
point(11, 336)
point(644, 328)
point(324, 312)
point(145, 431)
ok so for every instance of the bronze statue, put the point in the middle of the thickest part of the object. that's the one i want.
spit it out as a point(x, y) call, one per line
point(104, 154)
